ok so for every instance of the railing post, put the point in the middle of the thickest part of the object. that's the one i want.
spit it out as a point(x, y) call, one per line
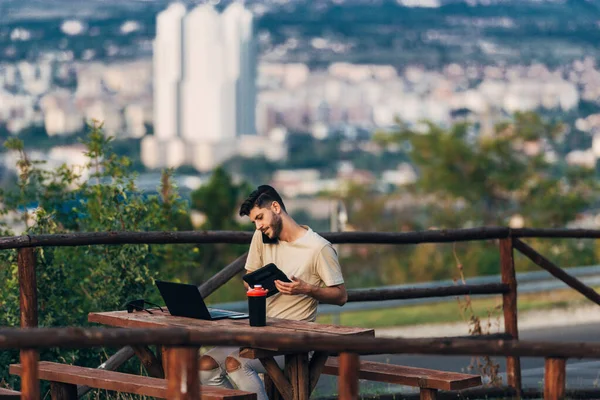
point(27, 288)
point(509, 306)
point(183, 382)
point(30, 385)
point(348, 376)
point(555, 378)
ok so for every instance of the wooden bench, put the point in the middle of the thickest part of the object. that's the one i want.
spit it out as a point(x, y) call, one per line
point(64, 379)
point(7, 394)
point(428, 380)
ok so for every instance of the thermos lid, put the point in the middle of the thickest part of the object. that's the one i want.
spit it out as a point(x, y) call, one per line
point(258, 291)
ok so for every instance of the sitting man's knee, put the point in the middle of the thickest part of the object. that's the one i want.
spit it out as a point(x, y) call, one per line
point(232, 364)
point(207, 363)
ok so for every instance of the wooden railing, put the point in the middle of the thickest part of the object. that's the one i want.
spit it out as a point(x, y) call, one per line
point(508, 239)
point(183, 366)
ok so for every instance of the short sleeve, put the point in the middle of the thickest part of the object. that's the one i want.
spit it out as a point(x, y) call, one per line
point(328, 266)
point(254, 260)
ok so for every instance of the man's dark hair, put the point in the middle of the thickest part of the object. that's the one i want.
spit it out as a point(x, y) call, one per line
point(263, 196)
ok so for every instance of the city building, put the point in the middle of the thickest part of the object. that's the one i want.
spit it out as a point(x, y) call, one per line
point(204, 87)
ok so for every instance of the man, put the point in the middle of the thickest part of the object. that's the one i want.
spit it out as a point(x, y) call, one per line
point(306, 258)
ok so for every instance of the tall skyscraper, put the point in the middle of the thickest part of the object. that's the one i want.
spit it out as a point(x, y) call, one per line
point(167, 71)
point(241, 69)
point(204, 85)
point(205, 101)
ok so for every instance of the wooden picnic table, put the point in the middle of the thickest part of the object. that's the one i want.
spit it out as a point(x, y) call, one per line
point(295, 382)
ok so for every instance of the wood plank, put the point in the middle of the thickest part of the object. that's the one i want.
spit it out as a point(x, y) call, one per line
point(120, 382)
point(349, 365)
point(7, 394)
point(555, 378)
point(248, 352)
point(279, 380)
point(112, 364)
point(409, 376)
point(141, 319)
point(183, 382)
point(312, 327)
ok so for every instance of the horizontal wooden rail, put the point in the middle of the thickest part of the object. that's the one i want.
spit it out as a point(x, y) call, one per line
point(118, 237)
point(557, 233)
point(556, 271)
point(237, 237)
point(36, 338)
point(420, 293)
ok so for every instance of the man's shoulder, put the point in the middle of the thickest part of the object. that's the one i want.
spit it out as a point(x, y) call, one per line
point(257, 236)
point(317, 241)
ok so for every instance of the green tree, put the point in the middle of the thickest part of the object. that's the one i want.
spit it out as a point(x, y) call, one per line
point(488, 179)
point(73, 281)
point(467, 179)
point(218, 201)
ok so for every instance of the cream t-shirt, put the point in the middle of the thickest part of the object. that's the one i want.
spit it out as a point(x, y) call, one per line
point(310, 258)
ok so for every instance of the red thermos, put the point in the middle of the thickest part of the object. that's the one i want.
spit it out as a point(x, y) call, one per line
point(257, 305)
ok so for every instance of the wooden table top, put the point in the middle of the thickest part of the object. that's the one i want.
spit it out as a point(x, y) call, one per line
point(142, 319)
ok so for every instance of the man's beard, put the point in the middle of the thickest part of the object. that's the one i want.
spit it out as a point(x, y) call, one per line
point(276, 226)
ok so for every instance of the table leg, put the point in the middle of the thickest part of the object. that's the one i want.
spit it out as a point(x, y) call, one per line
point(277, 382)
point(63, 391)
point(315, 367)
point(271, 389)
point(297, 365)
point(150, 362)
point(164, 356)
point(428, 394)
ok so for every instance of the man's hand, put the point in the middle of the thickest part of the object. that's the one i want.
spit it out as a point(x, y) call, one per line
point(297, 286)
point(330, 295)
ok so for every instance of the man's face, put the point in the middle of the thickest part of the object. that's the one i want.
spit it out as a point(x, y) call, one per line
point(267, 220)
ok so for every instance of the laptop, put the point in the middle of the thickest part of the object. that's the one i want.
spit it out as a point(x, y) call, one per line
point(185, 300)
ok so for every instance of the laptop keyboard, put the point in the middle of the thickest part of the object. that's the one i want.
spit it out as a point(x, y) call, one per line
point(222, 313)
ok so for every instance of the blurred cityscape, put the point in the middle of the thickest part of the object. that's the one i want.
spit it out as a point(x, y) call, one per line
point(256, 86)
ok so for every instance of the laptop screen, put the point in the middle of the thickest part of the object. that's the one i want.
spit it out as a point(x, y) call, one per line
point(183, 300)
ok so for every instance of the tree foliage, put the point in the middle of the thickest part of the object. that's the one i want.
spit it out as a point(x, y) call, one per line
point(467, 179)
point(476, 180)
point(219, 202)
point(73, 281)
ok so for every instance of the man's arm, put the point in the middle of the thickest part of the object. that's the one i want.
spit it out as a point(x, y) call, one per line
point(329, 294)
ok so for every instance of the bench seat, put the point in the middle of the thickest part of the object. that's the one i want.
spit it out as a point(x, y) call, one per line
point(7, 394)
point(121, 382)
point(428, 380)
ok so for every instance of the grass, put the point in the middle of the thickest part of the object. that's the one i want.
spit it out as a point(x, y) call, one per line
point(449, 311)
